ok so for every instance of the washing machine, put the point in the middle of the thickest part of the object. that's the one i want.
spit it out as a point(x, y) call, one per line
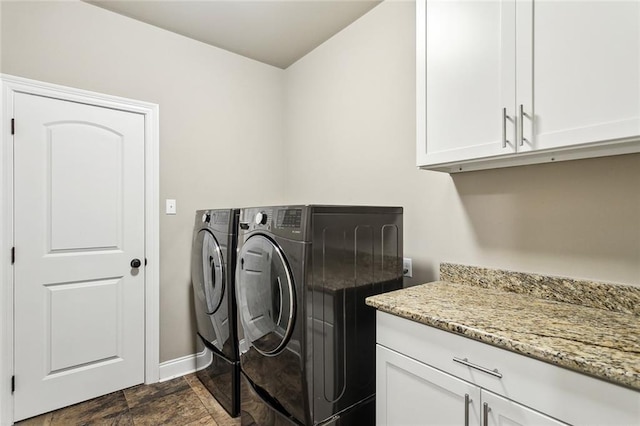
point(307, 338)
point(213, 260)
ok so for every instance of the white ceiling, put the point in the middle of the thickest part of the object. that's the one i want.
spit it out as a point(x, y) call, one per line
point(274, 32)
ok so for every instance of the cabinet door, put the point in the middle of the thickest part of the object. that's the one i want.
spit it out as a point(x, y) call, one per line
point(503, 412)
point(578, 68)
point(465, 79)
point(409, 393)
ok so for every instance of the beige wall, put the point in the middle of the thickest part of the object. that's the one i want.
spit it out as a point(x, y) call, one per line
point(220, 120)
point(350, 108)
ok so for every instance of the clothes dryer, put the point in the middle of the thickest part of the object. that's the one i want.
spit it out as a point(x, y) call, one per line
point(308, 338)
point(213, 260)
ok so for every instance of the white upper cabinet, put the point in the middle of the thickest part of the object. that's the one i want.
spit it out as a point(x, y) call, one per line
point(581, 82)
point(469, 78)
point(502, 83)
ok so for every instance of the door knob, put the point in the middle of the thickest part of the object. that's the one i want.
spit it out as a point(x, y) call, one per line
point(135, 263)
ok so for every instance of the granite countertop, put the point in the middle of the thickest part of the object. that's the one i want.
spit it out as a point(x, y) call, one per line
point(526, 317)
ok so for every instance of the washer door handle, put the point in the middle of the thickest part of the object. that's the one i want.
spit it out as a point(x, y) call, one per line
point(135, 263)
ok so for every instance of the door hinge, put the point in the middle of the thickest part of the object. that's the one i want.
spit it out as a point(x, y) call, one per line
point(13, 384)
point(13, 126)
point(13, 255)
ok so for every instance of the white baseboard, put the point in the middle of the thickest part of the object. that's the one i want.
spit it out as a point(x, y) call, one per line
point(187, 364)
point(184, 365)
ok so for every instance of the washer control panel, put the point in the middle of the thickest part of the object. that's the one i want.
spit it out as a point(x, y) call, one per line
point(261, 218)
point(256, 219)
point(287, 222)
point(289, 218)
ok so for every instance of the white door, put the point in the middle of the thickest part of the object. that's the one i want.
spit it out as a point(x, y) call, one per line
point(410, 393)
point(79, 222)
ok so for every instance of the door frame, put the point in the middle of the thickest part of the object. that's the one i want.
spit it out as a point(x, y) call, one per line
point(10, 86)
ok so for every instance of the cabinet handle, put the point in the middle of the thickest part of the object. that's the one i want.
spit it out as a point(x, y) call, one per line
point(466, 362)
point(485, 414)
point(467, 400)
point(522, 116)
point(504, 127)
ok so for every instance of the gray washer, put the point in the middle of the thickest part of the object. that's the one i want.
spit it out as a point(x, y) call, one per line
point(307, 337)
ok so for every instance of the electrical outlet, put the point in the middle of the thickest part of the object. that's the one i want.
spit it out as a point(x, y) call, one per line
point(407, 269)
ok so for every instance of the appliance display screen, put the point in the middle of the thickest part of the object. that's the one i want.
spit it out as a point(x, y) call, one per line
point(221, 217)
point(290, 218)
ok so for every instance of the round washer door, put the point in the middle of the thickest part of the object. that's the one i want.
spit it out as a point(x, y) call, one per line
point(266, 296)
point(207, 271)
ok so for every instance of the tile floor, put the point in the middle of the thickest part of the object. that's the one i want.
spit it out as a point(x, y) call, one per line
point(181, 401)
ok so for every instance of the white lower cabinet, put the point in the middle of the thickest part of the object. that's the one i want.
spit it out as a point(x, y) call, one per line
point(497, 410)
point(411, 393)
point(427, 376)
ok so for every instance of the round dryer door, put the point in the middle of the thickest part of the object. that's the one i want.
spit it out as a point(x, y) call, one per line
point(207, 271)
point(266, 296)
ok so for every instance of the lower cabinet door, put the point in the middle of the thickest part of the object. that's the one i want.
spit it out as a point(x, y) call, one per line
point(410, 393)
point(499, 411)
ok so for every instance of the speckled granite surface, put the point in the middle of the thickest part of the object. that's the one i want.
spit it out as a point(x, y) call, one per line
point(619, 298)
point(599, 342)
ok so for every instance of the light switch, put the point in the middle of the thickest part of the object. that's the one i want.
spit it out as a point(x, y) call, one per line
point(171, 207)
